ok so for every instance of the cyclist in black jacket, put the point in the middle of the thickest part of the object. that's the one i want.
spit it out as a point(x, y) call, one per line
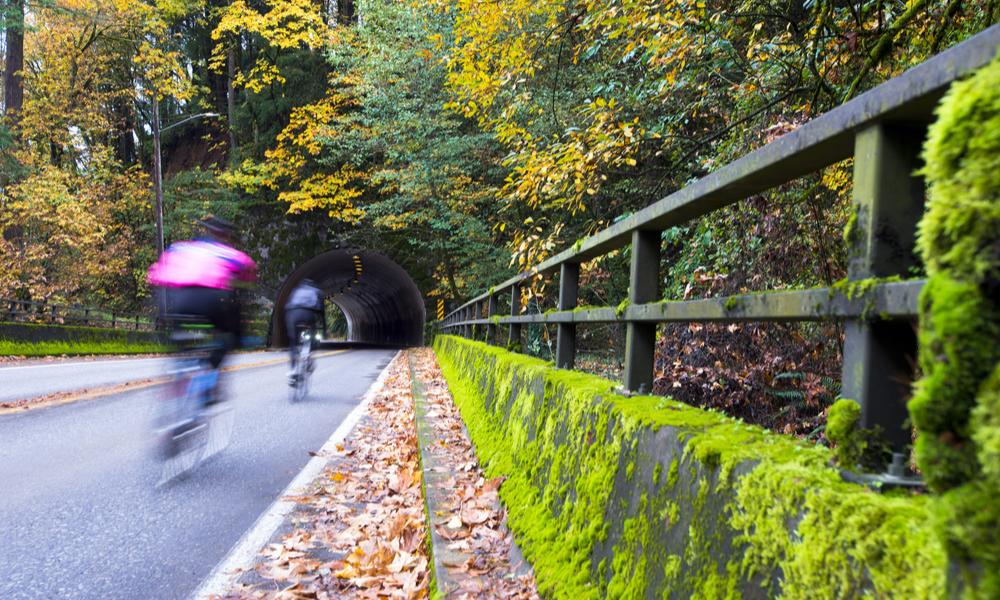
point(303, 307)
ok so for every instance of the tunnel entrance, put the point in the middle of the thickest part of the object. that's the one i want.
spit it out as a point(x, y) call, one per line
point(378, 298)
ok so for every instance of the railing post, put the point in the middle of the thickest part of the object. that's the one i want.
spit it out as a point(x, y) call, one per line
point(491, 329)
point(514, 338)
point(889, 201)
point(569, 285)
point(478, 314)
point(644, 287)
point(468, 331)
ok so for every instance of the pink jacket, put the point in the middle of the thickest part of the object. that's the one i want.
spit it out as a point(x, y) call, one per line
point(201, 263)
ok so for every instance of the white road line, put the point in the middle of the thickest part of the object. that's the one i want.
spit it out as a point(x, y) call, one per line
point(242, 556)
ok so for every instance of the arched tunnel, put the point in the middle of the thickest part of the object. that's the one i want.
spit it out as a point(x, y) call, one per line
point(378, 297)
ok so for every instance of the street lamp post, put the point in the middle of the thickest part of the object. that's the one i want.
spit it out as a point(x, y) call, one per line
point(158, 187)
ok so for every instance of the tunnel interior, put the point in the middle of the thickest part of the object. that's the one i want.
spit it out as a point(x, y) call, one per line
point(378, 297)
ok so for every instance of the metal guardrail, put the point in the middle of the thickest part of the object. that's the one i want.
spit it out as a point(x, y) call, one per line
point(22, 311)
point(883, 130)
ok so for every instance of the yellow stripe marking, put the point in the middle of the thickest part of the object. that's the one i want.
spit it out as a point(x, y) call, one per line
point(128, 386)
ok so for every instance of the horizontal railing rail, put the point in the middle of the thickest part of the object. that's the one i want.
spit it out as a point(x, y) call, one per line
point(883, 130)
point(23, 311)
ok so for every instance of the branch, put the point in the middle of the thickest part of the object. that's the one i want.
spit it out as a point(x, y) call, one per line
point(953, 7)
point(885, 44)
point(728, 128)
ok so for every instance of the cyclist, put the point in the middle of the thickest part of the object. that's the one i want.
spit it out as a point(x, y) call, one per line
point(303, 307)
point(201, 275)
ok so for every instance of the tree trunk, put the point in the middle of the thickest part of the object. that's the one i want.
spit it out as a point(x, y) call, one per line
point(345, 12)
point(231, 98)
point(13, 91)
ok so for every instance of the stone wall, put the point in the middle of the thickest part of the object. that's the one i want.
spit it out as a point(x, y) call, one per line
point(643, 497)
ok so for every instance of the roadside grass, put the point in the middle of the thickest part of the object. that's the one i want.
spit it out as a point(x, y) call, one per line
point(29, 349)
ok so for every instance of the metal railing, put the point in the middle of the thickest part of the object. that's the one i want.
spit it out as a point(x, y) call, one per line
point(883, 130)
point(22, 311)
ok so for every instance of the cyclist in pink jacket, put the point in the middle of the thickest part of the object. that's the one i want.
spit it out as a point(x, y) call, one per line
point(200, 277)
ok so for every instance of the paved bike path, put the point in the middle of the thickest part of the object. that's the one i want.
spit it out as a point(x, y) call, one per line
point(80, 516)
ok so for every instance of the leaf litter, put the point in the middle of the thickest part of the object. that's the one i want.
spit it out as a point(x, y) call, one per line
point(360, 529)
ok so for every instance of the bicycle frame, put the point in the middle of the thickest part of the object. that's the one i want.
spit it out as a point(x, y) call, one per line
point(183, 432)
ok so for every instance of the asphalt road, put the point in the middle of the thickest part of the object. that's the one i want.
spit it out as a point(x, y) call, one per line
point(17, 383)
point(81, 515)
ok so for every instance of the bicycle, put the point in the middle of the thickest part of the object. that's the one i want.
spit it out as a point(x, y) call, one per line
point(299, 384)
point(193, 422)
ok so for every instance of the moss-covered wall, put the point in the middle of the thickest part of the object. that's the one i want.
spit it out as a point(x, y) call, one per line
point(643, 497)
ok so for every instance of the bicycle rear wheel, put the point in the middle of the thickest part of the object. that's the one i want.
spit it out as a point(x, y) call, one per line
point(300, 387)
point(181, 433)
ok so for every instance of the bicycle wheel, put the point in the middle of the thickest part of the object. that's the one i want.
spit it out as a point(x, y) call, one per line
point(298, 389)
point(301, 385)
point(220, 418)
point(180, 431)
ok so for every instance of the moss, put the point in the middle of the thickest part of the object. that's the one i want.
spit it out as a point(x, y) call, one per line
point(732, 303)
point(672, 473)
point(858, 288)
point(845, 539)
point(955, 406)
point(728, 518)
point(620, 309)
point(851, 231)
point(13, 348)
point(842, 429)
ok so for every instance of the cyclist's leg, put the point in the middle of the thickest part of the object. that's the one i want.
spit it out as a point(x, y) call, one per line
point(292, 316)
point(312, 337)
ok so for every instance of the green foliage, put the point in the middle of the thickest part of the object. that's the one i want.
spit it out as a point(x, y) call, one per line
point(428, 199)
point(191, 196)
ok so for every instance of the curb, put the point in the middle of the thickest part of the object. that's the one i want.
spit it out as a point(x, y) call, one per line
point(437, 501)
point(242, 557)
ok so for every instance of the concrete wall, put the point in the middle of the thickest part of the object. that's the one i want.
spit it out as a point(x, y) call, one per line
point(643, 497)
